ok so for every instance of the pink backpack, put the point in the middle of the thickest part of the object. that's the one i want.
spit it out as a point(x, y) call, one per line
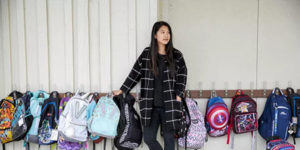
point(196, 134)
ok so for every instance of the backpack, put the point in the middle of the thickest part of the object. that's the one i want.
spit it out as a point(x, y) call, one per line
point(22, 118)
point(93, 102)
point(63, 144)
point(196, 133)
point(129, 127)
point(7, 110)
point(183, 124)
point(243, 114)
point(294, 101)
point(216, 117)
point(276, 116)
point(105, 118)
point(72, 125)
point(275, 143)
point(49, 120)
point(36, 103)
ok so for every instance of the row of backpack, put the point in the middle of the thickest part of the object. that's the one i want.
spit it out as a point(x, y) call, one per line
point(68, 119)
point(42, 118)
point(279, 119)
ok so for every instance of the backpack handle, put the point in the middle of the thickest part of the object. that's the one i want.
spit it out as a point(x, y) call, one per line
point(68, 94)
point(239, 92)
point(277, 90)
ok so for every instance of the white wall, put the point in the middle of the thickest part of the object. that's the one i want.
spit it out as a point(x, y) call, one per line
point(92, 45)
point(256, 43)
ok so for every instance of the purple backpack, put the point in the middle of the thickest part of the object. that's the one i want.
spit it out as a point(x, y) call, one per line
point(196, 134)
point(63, 144)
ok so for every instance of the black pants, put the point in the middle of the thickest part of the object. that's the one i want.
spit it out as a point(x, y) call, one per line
point(150, 133)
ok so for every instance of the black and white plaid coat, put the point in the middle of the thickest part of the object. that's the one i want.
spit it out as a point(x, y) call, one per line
point(172, 86)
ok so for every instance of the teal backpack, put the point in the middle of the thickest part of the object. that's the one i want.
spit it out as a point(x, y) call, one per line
point(22, 118)
point(105, 118)
point(36, 102)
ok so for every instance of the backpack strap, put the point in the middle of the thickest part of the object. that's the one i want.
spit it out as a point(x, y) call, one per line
point(277, 91)
point(15, 94)
point(238, 92)
point(104, 144)
point(290, 91)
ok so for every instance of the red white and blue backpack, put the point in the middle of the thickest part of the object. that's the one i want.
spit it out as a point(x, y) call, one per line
point(276, 143)
point(216, 117)
point(243, 115)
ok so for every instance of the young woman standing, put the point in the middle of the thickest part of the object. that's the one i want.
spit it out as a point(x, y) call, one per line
point(163, 74)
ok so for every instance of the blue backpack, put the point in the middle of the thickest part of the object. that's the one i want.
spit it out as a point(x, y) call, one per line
point(22, 117)
point(36, 103)
point(49, 119)
point(275, 120)
point(216, 117)
point(294, 101)
point(105, 118)
point(275, 143)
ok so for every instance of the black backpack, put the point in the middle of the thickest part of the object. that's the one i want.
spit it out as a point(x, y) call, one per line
point(129, 128)
point(294, 101)
point(23, 118)
point(49, 119)
point(183, 125)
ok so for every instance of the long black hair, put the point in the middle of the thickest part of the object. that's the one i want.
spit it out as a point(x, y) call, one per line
point(154, 49)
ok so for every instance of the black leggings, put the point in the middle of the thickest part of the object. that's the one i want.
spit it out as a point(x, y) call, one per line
point(150, 133)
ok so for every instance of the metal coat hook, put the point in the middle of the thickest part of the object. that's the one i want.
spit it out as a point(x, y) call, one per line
point(27, 87)
point(213, 92)
point(265, 88)
point(188, 94)
point(226, 89)
point(54, 87)
point(201, 91)
point(239, 86)
point(277, 92)
point(251, 87)
point(277, 84)
point(95, 95)
point(14, 87)
point(290, 84)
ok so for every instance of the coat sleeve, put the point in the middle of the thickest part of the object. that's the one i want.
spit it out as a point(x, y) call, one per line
point(134, 76)
point(181, 77)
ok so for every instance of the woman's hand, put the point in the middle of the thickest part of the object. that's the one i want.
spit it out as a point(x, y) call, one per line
point(117, 92)
point(178, 98)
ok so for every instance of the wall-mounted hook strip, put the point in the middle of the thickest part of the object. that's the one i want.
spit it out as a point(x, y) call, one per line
point(207, 93)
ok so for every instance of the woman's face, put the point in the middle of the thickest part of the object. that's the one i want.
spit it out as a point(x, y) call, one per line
point(163, 35)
